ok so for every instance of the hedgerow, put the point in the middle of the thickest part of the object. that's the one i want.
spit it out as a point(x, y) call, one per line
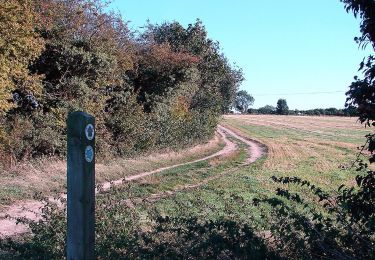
point(163, 87)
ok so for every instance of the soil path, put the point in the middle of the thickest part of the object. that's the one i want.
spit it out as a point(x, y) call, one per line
point(229, 148)
point(255, 148)
point(32, 209)
point(255, 151)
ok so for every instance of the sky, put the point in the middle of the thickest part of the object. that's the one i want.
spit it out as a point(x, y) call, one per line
point(300, 50)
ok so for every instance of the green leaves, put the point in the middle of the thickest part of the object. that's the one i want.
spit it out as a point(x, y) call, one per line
point(342, 228)
point(243, 101)
point(282, 107)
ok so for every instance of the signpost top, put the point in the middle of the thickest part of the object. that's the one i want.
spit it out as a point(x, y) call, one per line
point(79, 123)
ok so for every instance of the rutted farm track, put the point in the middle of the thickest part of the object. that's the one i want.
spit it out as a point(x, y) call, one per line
point(32, 209)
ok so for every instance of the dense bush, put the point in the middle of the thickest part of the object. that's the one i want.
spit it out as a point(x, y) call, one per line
point(163, 87)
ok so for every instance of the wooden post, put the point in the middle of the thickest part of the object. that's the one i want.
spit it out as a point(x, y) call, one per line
point(81, 186)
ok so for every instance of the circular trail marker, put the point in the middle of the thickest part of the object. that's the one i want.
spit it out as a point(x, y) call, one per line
point(89, 153)
point(90, 132)
point(80, 232)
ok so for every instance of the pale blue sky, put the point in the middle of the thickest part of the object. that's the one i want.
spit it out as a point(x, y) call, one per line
point(284, 47)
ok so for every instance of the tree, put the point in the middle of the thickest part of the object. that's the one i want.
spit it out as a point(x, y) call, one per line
point(332, 111)
point(282, 107)
point(350, 111)
point(267, 109)
point(361, 92)
point(218, 77)
point(365, 9)
point(243, 101)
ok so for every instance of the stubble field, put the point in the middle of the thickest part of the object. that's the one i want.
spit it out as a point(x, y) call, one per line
point(319, 149)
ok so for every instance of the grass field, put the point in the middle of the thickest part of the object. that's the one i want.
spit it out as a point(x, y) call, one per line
point(210, 203)
point(319, 149)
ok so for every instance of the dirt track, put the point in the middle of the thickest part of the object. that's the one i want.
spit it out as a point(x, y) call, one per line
point(31, 209)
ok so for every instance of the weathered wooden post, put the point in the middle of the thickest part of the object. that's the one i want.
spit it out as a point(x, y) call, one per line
point(81, 186)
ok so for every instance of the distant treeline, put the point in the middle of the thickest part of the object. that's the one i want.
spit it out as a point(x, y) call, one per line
point(163, 87)
point(350, 111)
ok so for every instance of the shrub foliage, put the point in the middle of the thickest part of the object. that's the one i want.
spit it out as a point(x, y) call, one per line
point(165, 86)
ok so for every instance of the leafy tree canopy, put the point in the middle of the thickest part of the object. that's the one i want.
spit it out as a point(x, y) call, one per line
point(267, 109)
point(243, 101)
point(282, 107)
point(364, 9)
point(216, 74)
